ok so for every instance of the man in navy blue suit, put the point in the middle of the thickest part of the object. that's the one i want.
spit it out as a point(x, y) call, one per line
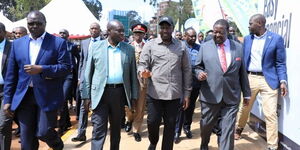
point(33, 89)
point(265, 60)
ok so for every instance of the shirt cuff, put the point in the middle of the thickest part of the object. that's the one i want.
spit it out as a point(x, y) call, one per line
point(283, 81)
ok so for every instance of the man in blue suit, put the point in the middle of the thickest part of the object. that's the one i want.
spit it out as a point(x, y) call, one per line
point(265, 60)
point(110, 80)
point(33, 88)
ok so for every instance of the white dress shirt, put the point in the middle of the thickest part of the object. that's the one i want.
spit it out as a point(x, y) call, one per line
point(34, 47)
point(256, 53)
point(227, 52)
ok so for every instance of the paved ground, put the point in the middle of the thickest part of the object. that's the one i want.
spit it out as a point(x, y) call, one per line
point(250, 140)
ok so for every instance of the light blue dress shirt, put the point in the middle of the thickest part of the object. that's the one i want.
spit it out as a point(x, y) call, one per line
point(115, 70)
point(2, 45)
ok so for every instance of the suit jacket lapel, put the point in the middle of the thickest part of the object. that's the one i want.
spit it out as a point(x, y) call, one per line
point(123, 54)
point(216, 55)
point(232, 53)
point(267, 43)
point(43, 48)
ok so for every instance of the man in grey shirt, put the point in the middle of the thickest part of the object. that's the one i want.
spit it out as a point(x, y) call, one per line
point(165, 62)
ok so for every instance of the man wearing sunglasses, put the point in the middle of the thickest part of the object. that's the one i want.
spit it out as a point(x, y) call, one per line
point(33, 89)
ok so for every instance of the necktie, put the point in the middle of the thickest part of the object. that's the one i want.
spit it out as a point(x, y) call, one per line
point(223, 58)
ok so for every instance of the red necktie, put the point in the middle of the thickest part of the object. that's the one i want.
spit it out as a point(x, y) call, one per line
point(223, 58)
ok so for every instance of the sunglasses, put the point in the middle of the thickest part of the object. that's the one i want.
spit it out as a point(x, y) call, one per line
point(34, 23)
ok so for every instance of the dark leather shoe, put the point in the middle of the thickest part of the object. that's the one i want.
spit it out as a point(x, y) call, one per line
point(203, 147)
point(188, 133)
point(79, 139)
point(176, 138)
point(128, 126)
point(137, 137)
point(152, 147)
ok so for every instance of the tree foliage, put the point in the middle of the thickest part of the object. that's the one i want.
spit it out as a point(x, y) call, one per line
point(133, 17)
point(18, 9)
point(95, 7)
point(180, 11)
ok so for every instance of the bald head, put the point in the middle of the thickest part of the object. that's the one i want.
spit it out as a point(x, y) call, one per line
point(36, 23)
point(64, 33)
point(259, 18)
point(115, 30)
point(95, 30)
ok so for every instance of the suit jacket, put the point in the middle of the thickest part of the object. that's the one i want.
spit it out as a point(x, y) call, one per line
point(273, 58)
point(5, 56)
point(48, 85)
point(83, 58)
point(96, 72)
point(219, 85)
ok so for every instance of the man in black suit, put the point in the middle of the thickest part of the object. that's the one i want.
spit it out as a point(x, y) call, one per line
point(5, 122)
point(85, 46)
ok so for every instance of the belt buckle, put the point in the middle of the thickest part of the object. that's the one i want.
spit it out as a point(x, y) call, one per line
point(114, 86)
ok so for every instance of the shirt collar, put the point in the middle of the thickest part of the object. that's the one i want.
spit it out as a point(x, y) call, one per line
point(109, 45)
point(260, 37)
point(226, 43)
point(39, 38)
point(97, 38)
point(159, 40)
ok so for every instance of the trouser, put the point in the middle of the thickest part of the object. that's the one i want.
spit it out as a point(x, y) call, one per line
point(5, 128)
point(37, 124)
point(210, 114)
point(185, 117)
point(110, 108)
point(64, 121)
point(83, 120)
point(139, 110)
point(269, 99)
point(158, 109)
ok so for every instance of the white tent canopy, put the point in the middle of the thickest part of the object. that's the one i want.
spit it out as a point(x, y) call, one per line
point(6, 22)
point(72, 15)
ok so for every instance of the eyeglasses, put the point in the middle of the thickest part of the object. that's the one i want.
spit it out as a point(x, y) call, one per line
point(34, 23)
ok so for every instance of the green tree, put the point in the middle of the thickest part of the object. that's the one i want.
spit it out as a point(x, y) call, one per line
point(180, 11)
point(95, 7)
point(133, 17)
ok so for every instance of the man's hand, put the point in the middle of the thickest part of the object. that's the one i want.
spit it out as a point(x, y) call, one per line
point(283, 89)
point(33, 69)
point(145, 74)
point(87, 103)
point(246, 101)
point(7, 111)
point(186, 103)
point(202, 76)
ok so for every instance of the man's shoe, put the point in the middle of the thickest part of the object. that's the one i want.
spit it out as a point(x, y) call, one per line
point(271, 148)
point(238, 133)
point(188, 133)
point(152, 147)
point(128, 126)
point(79, 139)
point(203, 147)
point(176, 138)
point(137, 137)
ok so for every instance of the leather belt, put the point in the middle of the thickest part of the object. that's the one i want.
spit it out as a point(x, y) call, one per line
point(114, 85)
point(256, 73)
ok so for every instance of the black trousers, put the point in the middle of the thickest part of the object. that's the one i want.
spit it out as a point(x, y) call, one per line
point(185, 118)
point(110, 108)
point(158, 109)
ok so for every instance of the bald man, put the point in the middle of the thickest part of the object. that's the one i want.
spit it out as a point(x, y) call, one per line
point(110, 79)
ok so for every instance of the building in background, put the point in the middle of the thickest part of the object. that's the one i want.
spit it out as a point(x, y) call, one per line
point(121, 16)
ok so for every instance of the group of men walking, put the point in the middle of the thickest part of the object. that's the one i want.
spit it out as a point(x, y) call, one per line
point(117, 79)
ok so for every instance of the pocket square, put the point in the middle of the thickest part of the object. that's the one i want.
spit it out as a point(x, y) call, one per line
point(238, 59)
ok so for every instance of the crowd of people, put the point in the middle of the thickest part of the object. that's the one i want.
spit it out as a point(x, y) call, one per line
point(118, 80)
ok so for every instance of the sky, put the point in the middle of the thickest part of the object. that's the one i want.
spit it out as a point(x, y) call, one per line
point(144, 9)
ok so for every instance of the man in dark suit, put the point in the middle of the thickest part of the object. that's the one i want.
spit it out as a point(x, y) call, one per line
point(85, 48)
point(70, 82)
point(5, 121)
point(219, 66)
point(110, 80)
point(265, 60)
point(33, 88)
